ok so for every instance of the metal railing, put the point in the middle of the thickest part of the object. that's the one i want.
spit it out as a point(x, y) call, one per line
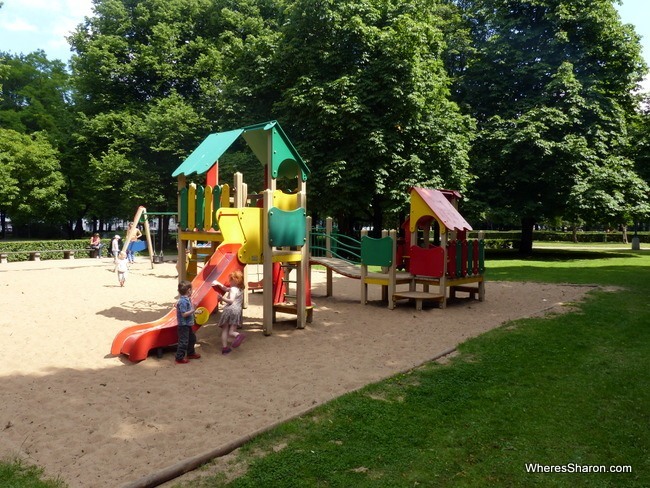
point(334, 244)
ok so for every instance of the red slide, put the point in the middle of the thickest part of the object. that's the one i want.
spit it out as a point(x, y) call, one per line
point(137, 340)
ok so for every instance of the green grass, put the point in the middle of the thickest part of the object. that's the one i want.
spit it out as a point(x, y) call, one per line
point(565, 390)
point(16, 474)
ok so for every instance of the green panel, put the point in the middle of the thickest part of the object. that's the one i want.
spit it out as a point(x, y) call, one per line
point(257, 137)
point(208, 152)
point(287, 169)
point(183, 223)
point(200, 206)
point(481, 256)
point(377, 252)
point(287, 228)
point(216, 204)
point(257, 140)
point(470, 258)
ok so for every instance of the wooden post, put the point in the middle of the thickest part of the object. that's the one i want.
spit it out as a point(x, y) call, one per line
point(147, 233)
point(239, 199)
point(267, 273)
point(329, 224)
point(392, 272)
point(301, 278)
point(364, 274)
point(384, 288)
point(180, 244)
point(443, 278)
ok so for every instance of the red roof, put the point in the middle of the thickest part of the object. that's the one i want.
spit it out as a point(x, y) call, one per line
point(442, 209)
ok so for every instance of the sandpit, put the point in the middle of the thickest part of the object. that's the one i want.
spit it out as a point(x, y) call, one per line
point(97, 420)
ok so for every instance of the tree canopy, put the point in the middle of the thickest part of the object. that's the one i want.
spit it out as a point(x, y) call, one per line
point(364, 88)
point(551, 89)
point(527, 106)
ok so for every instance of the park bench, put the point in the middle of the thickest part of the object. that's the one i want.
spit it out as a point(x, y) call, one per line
point(36, 255)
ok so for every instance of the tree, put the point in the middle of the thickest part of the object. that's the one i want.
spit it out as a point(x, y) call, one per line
point(32, 183)
point(153, 78)
point(551, 89)
point(611, 193)
point(36, 99)
point(364, 94)
point(36, 96)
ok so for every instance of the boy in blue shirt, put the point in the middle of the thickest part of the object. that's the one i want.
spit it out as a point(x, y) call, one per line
point(185, 315)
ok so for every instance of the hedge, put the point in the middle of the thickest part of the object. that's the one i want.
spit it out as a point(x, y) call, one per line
point(552, 236)
point(46, 248)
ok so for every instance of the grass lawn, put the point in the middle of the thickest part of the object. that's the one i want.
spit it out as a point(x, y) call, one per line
point(567, 392)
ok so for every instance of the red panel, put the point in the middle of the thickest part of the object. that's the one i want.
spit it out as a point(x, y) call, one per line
point(212, 177)
point(427, 262)
point(279, 288)
point(463, 261)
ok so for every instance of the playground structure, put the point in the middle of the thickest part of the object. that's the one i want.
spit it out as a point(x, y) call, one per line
point(222, 230)
point(434, 252)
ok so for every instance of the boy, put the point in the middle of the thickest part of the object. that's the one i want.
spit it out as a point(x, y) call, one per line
point(185, 315)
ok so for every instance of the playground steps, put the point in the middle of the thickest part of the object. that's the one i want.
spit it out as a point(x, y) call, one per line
point(418, 297)
point(473, 291)
point(292, 309)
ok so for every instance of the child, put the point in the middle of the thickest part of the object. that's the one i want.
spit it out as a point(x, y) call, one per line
point(115, 247)
point(231, 315)
point(122, 267)
point(185, 315)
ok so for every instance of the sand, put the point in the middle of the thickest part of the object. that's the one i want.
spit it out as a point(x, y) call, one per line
point(96, 420)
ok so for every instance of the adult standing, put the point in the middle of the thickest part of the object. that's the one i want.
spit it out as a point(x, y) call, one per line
point(115, 247)
point(133, 234)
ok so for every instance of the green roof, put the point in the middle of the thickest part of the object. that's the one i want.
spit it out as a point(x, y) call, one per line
point(261, 138)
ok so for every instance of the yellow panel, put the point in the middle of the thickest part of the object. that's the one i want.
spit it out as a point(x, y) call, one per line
point(377, 281)
point(287, 258)
point(207, 215)
point(191, 206)
point(229, 225)
point(419, 209)
point(243, 226)
point(285, 201)
point(251, 223)
point(225, 196)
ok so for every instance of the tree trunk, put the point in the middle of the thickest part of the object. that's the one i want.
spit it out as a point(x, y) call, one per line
point(624, 229)
point(526, 243)
point(377, 217)
point(79, 228)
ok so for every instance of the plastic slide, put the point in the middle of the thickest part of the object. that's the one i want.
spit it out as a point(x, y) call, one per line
point(137, 340)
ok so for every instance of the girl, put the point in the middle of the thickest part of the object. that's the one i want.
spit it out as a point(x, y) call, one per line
point(122, 267)
point(231, 315)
